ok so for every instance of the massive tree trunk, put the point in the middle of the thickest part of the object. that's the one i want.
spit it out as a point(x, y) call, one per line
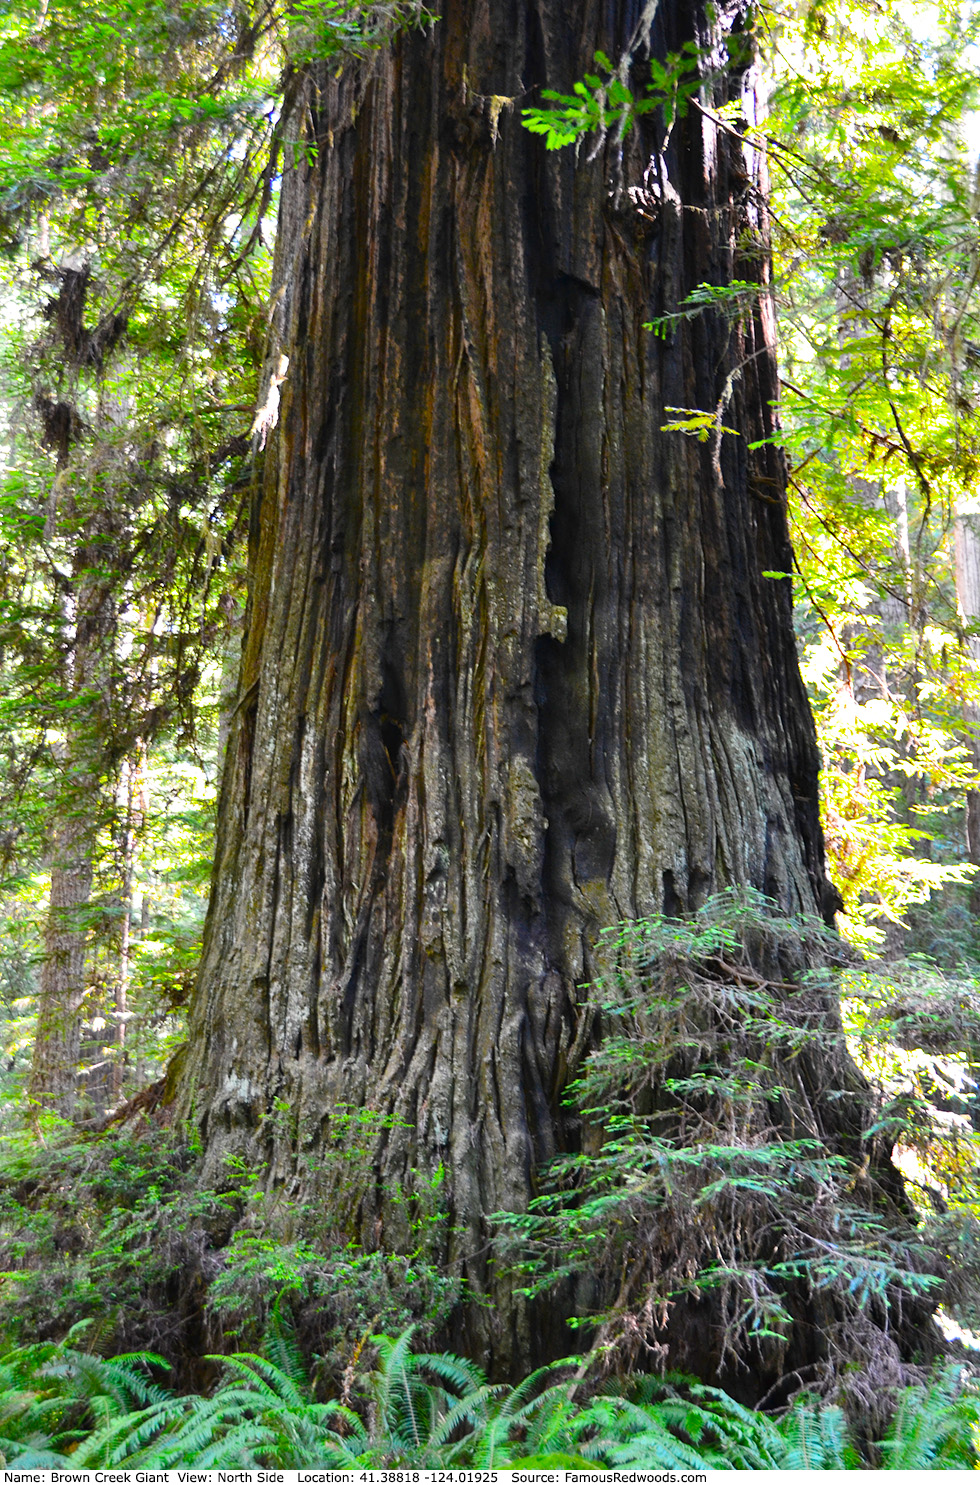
point(512, 669)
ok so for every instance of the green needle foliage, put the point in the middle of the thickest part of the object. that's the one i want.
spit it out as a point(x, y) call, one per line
point(875, 233)
point(872, 224)
point(706, 1169)
point(140, 155)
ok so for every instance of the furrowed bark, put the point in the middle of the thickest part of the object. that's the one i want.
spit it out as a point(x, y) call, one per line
point(512, 670)
point(53, 1083)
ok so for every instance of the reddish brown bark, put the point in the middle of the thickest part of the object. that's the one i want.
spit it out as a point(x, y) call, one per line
point(512, 669)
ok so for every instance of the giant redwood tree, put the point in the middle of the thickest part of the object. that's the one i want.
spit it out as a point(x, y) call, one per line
point(514, 669)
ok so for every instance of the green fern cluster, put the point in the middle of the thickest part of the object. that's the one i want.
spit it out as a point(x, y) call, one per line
point(60, 1405)
point(55, 1397)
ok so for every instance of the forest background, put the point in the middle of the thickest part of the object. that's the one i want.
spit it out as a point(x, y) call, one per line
point(140, 159)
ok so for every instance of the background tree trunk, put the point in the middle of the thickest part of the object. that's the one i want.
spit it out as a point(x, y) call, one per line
point(53, 1083)
point(967, 571)
point(58, 1040)
point(512, 670)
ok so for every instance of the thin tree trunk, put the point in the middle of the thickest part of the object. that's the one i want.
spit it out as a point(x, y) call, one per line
point(135, 814)
point(967, 569)
point(892, 606)
point(57, 1043)
point(512, 671)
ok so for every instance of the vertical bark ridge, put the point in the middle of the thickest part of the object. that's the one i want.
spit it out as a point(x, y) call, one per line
point(511, 671)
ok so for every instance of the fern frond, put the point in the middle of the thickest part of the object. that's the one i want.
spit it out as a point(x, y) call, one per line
point(266, 1379)
point(186, 1437)
point(121, 1439)
point(122, 1381)
point(453, 1371)
point(640, 1435)
point(282, 1348)
point(815, 1437)
point(243, 1447)
point(934, 1427)
point(473, 1409)
point(28, 1455)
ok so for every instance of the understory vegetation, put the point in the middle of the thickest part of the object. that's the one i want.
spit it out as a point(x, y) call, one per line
point(300, 1344)
point(62, 1407)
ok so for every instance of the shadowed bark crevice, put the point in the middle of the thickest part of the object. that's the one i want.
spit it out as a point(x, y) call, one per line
point(512, 671)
